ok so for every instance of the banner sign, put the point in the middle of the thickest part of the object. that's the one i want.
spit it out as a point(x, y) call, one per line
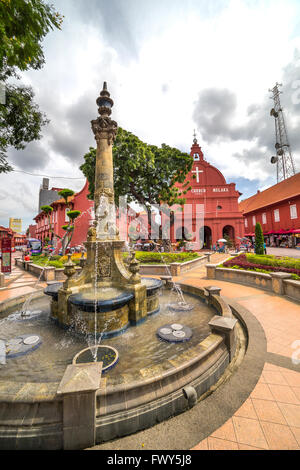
point(6, 255)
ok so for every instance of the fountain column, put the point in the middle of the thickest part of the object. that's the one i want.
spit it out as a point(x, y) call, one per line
point(105, 130)
point(105, 265)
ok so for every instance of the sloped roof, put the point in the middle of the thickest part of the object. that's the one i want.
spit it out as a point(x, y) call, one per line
point(286, 189)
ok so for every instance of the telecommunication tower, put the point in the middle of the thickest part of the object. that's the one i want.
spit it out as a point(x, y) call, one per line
point(283, 159)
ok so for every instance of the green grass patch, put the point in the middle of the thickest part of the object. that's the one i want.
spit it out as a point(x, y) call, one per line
point(148, 257)
point(144, 257)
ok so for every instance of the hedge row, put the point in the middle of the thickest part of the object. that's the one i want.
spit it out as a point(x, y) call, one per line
point(161, 258)
point(143, 257)
point(263, 262)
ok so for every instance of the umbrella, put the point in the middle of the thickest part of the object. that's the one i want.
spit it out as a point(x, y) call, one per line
point(222, 240)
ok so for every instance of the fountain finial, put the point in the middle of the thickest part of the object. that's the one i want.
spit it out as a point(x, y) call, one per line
point(104, 102)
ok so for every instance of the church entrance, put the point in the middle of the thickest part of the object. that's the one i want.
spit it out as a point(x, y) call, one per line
point(205, 235)
point(228, 231)
point(182, 234)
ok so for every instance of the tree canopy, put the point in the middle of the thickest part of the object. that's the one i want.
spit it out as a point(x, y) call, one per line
point(144, 173)
point(23, 26)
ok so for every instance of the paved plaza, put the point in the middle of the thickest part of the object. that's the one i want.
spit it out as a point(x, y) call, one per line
point(270, 417)
point(293, 252)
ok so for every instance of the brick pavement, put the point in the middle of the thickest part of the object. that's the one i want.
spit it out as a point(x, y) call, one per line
point(270, 417)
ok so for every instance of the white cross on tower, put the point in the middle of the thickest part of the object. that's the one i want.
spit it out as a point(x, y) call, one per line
point(197, 171)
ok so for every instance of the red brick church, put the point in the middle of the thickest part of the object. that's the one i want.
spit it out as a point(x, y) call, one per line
point(219, 199)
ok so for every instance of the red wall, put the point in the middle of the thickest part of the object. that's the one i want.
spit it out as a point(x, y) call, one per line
point(285, 222)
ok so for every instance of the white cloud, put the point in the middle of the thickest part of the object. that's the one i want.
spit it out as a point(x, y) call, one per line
point(156, 62)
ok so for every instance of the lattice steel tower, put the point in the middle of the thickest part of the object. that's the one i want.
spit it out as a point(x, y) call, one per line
point(283, 159)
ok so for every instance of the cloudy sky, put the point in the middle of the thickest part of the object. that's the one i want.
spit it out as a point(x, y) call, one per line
point(172, 66)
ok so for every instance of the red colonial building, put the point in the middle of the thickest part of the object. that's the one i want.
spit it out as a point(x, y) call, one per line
point(219, 202)
point(58, 218)
point(31, 231)
point(17, 239)
point(277, 209)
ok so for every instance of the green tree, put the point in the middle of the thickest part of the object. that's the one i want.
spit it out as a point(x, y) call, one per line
point(259, 239)
point(72, 215)
point(144, 173)
point(23, 26)
point(229, 241)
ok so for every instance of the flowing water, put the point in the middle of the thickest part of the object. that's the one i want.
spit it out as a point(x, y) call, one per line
point(138, 346)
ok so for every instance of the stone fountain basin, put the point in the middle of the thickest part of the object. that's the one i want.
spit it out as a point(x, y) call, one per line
point(108, 299)
point(152, 286)
point(31, 413)
point(111, 304)
point(105, 310)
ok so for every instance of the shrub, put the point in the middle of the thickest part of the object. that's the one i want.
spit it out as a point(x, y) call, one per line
point(73, 214)
point(47, 209)
point(266, 263)
point(259, 239)
point(66, 193)
point(160, 258)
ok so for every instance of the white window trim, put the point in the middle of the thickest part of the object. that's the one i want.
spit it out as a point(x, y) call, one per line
point(264, 218)
point(253, 220)
point(295, 216)
point(276, 214)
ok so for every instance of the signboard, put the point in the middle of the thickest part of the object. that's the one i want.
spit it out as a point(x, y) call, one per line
point(15, 224)
point(6, 255)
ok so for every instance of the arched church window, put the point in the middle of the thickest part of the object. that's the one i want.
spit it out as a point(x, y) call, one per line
point(196, 157)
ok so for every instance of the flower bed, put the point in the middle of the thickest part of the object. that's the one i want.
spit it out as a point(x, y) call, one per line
point(264, 263)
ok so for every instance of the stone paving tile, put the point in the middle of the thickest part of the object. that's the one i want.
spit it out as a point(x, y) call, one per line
point(245, 447)
point(249, 431)
point(284, 394)
point(261, 379)
point(268, 366)
point(296, 391)
point(275, 348)
point(9, 294)
point(267, 410)
point(296, 432)
point(279, 437)
point(291, 413)
point(247, 410)
point(276, 378)
point(262, 391)
point(203, 445)
point(225, 432)
point(292, 378)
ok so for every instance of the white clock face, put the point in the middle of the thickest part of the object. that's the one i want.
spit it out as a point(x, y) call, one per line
point(196, 156)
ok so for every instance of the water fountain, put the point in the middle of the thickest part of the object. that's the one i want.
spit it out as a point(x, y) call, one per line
point(147, 367)
point(109, 295)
